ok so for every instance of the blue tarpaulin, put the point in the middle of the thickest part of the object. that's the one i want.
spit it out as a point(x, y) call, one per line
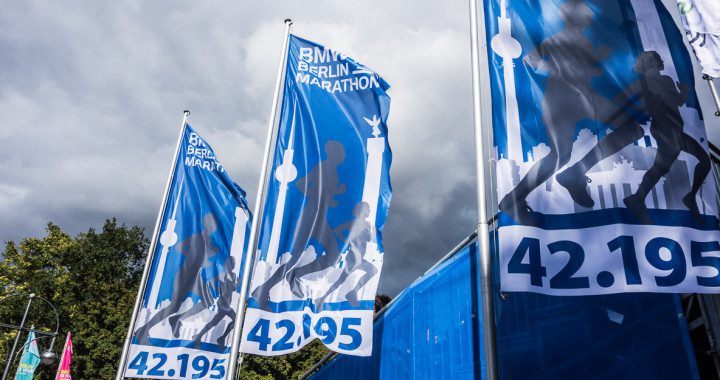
point(433, 330)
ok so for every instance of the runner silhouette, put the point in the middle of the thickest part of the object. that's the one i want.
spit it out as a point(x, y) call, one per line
point(320, 187)
point(196, 251)
point(217, 291)
point(662, 100)
point(571, 62)
point(657, 96)
point(359, 233)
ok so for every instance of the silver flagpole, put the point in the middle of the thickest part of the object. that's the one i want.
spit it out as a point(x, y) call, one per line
point(248, 261)
point(11, 357)
point(482, 116)
point(714, 92)
point(151, 251)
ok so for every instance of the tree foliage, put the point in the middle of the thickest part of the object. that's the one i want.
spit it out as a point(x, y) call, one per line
point(283, 367)
point(92, 279)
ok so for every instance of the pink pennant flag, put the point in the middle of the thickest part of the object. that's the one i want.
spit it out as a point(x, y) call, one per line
point(63, 372)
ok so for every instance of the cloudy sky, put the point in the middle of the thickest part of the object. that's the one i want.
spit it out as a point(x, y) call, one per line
point(91, 95)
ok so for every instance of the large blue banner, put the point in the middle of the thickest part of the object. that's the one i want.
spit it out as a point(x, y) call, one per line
point(184, 326)
point(320, 241)
point(603, 170)
point(432, 331)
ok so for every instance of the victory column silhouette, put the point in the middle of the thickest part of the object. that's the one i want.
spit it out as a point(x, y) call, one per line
point(320, 187)
point(196, 251)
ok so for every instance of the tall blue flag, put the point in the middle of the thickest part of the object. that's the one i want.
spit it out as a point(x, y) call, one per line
point(184, 326)
point(603, 166)
point(320, 241)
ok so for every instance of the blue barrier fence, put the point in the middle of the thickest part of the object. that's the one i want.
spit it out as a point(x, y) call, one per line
point(433, 331)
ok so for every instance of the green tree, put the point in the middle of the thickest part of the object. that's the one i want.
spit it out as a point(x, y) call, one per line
point(291, 366)
point(91, 279)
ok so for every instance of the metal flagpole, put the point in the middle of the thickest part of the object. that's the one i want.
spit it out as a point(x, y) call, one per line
point(17, 338)
point(262, 186)
point(481, 115)
point(714, 92)
point(151, 251)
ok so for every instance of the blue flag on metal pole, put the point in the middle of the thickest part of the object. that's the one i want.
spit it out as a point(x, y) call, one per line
point(603, 165)
point(320, 238)
point(185, 323)
point(30, 359)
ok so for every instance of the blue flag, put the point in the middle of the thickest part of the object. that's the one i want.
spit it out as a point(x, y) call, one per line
point(320, 241)
point(29, 360)
point(185, 325)
point(603, 166)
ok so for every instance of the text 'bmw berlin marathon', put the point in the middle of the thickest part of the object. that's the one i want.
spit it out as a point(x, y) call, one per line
point(184, 328)
point(320, 248)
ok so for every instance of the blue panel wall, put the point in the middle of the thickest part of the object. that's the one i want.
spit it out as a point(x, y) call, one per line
point(625, 336)
point(433, 331)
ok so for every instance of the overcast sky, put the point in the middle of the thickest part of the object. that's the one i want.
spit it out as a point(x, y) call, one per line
point(91, 95)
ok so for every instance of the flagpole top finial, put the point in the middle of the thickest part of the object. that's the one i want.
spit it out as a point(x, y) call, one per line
point(186, 112)
point(32, 295)
point(288, 21)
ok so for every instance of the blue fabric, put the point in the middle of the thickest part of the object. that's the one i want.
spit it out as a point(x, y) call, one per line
point(430, 332)
point(195, 239)
point(320, 249)
point(319, 116)
point(598, 134)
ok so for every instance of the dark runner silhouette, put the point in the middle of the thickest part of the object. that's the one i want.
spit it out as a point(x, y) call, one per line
point(224, 285)
point(662, 101)
point(196, 251)
point(320, 187)
point(359, 233)
point(571, 62)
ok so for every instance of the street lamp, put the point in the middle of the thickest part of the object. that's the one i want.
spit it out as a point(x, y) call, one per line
point(48, 356)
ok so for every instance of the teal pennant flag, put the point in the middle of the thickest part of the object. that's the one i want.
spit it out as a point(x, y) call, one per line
point(30, 359)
